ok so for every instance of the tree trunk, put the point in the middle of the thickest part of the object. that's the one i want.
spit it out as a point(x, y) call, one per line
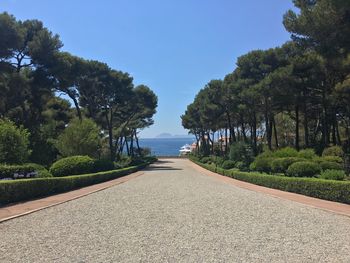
point(275, 132)
point(297, 146)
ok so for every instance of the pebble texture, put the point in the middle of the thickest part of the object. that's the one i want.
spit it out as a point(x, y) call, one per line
point(173, 213)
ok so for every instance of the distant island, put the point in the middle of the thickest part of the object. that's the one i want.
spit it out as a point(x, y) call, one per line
point(169, 136)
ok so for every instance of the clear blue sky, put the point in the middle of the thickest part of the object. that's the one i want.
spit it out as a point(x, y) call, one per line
point(173, 46)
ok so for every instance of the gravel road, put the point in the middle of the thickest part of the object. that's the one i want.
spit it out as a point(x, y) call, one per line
point(173, 213)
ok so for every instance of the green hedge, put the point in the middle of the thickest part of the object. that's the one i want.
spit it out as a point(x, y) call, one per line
point(338, 191)
point(72, 165)
point(26, 189)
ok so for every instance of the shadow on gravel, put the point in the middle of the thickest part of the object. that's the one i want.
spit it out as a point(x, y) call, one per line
point(164, 161)
point(165, 168)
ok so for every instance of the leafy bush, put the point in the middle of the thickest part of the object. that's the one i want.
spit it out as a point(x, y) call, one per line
point(14, 143)
point(206, 159)
point(307, 154)
point(80, 138)
point(280, 165)
point(325, 165)
point(333, 151)
point(72, 166)
point(242, 166)
point(17, 171)
point(262, 164)
point(285, 152)
point(335, 159)
point(42, 172)
point(21, 190)
point(333, 175)
point(241, 152)
point(338, 191)
point(228, 164)
point(303, 169)
point(102, 165)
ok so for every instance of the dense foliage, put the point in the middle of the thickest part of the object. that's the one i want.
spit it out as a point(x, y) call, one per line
point(295, 95)
point(14, 143)
point(35, 73)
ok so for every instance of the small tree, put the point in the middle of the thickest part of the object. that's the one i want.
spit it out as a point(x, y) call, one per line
point(14, 143)
point(80, 138)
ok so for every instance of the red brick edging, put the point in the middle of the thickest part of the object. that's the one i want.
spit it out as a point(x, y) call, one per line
point(28, 207)
point(335, 207)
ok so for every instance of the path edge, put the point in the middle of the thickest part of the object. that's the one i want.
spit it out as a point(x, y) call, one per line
point(329, 206)
point(103, 186)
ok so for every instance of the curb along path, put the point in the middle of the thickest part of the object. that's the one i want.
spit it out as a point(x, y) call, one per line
point(16, 210)
point(335, 207)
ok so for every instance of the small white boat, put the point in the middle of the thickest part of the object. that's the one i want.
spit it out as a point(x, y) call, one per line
point(186, 149)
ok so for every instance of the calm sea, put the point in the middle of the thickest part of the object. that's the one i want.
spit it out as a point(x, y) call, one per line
point(165, 146)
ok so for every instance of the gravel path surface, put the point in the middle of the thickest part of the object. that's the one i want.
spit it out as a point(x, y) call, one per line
point(173, 213)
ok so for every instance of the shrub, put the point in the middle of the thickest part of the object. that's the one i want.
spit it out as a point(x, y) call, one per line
point(206, 159)
point(42, 172)
point(14, 143)
point(280, 165)
point(101, 165)
point(325, 165)
point(228, 164)
point(72, 166)
point(286, 152)
point(17, 171)
point(333, 151)
point(262, 164)
point(333, 175)
point(241, 152)
point(338, 191)
point(242, 166)
point(303, 169)
point(80, 138)
point(21, 190)
point(335, 159)
point(307, 154)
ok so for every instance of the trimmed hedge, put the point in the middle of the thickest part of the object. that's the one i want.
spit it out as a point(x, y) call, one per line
point(26, 189)
point(73, 165)
point(228, 164)
point(338, 191)
point(18, 171)
point(280, 165)
point(303, 169)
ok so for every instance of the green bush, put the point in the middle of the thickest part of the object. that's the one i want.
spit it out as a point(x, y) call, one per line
point(17, 171)
point(206, 159)
point(102, 165)
point(335, 159)
point(307, 154)
point(80, 138)
point(241, 166)
point(338, 191)
point(285, 152)
point(14, 143)
point(42, 172)
point(303, 169)
point(228, 164)
point(72, 166)
point(22, 190)
point(262, 164)
point(333, 151)
point(333, 175)
point(325, 165)
point(241, 152)
point(280, 165)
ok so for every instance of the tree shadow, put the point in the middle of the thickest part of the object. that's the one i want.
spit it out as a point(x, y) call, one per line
point(160, 168)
